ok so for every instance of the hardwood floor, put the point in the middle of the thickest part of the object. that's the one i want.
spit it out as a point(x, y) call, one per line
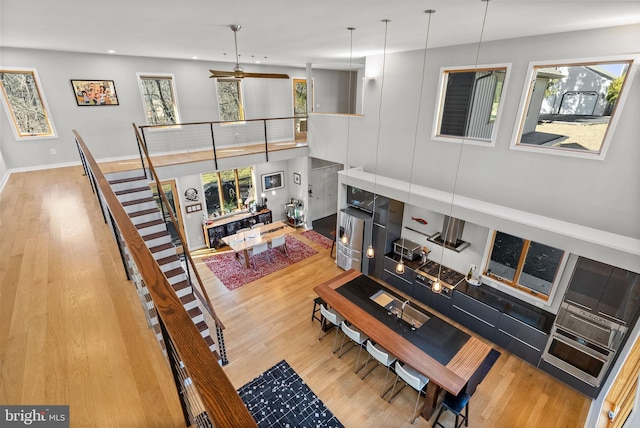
point(72, 330)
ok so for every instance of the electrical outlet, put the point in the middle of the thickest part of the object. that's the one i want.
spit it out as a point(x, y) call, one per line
point(53, 151)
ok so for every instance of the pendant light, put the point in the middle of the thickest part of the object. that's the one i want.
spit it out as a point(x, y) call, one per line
point(436, 287)
point(370, 252)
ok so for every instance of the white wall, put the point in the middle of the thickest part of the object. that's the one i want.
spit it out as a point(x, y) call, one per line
point(604, 195)
point(107, 130)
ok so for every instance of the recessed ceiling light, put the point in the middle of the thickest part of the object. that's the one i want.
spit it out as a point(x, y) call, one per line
point(111, 51)
point(194, 57)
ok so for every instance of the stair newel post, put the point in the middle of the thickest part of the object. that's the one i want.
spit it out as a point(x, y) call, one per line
point(140, 143)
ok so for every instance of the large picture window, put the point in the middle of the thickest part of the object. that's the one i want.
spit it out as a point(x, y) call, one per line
point(469, 104)
point(25, 104)
point(229, 190)
point(230, 100)
point(523, 264)
point(570, 108)
point(159, 99)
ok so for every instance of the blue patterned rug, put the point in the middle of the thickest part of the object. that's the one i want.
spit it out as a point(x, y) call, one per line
point(280, 398)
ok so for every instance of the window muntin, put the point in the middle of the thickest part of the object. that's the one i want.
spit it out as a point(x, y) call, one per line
point(26, 105)
point(469, 104)
point(230, 100)
point(229, 190)
point(159, 99)
point(571, 108)
point(523, 264)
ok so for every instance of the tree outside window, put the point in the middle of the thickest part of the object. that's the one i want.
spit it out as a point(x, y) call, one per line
point(229, 190)
point(523, 264)
point(230, 100)
point(159, 100)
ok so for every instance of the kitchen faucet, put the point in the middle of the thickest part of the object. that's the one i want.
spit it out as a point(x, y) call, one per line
point(407, 302)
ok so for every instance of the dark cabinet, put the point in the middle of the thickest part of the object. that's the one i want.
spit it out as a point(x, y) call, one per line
point(520, 339)
point(229, 225)
point(474, 314)
point(604, 290)
point(440, 302)
point(403, 282)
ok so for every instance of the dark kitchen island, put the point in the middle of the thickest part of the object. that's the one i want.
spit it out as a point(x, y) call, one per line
point(440, 351)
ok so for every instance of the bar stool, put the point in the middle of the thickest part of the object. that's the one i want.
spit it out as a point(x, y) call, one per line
point(357, 337)
point(316, 308)
point(457, 403)
point(415, 380)
point(383, 357)
point(334, 318)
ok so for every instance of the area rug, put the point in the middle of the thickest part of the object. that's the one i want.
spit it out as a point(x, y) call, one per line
point(280, 398)
point(233, 273)
point(317, 238)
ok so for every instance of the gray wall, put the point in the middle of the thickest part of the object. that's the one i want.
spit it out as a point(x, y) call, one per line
point(107, 129)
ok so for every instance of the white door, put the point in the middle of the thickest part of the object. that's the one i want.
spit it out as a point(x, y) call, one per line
point(316, 198)
point(330, 205)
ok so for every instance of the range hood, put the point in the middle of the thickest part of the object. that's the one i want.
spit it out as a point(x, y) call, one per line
point(451, 234)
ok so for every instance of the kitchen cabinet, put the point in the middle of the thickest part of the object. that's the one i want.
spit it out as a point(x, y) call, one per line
point(520, 339)
point(605, 290)
point(440, 302)
point(403, 282)
point(474, 314)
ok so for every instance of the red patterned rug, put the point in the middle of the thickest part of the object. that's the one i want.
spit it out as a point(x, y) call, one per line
point(233, 273)
point(317, 238)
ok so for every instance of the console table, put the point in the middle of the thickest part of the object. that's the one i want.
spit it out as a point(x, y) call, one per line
point(217, 229)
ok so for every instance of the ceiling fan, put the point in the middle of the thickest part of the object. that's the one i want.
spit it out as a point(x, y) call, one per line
point(238, 72)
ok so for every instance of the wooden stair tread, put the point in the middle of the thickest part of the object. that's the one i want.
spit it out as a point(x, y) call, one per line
point(143, 212)
point(138, 201)
point(134, 190)
point(161, 247)
point(150, 223)
point(168, 259)
point(127, 180)
point(155, 235)
point(174, 272)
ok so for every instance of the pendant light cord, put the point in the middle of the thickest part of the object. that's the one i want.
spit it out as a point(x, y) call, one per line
point(455, 180)
point(384, 62)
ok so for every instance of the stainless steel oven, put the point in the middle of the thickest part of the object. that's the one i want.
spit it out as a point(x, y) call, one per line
point(577, 356)
point(583, 344)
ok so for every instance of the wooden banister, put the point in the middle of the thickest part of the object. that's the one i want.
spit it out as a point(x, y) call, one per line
point(218, 396)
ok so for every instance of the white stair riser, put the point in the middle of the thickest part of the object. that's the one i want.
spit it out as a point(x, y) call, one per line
point(145, 218)
point(112, 176)
point(164, 253)
point(132, 196)
point(152, 229)
point(198, 318)
point(177, 278)
point(183, 292)
point(191, 305)
point(205, 332)
point(139, 207)
point(125, 185)
point(165, 239)
point(169, 266)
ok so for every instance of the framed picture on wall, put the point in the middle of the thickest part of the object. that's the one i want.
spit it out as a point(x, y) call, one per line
point(95, 92)
point(296, 178)
point(272, 181)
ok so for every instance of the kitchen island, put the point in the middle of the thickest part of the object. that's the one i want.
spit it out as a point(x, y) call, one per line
point(440, 351)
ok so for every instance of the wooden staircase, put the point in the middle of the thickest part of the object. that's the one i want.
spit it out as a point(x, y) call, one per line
point(135, 195)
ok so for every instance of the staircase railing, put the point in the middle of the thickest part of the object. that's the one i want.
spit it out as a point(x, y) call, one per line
point(207, 396)
point(214, 136)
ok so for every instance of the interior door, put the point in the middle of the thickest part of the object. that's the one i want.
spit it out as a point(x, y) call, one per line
point(316, 196)
point(170, 190)
point(330, 180)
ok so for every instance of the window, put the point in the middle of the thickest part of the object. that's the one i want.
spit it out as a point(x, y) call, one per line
point(230, 100)
point(229, 190)
point(526, 265)
point(159, 99)
point(570, 108)
point(25, 104)
point(469, 105)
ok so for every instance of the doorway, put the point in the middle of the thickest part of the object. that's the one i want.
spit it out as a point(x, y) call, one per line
point(300, 110)
point(323, 191)
point(170, 190)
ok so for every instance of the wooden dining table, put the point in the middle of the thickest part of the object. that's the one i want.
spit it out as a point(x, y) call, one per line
point(466, 353)
point(242, 242)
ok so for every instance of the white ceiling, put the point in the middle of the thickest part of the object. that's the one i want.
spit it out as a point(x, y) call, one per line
point(289, 32)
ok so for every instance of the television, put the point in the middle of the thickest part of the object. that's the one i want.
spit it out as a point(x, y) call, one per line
point(361, 199)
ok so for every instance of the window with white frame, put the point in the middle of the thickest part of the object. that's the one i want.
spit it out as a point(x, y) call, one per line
point(230, 100)
point(25, 104)
point(159, 99)
point(570, 108)
point(469, 103)
point(526, 265)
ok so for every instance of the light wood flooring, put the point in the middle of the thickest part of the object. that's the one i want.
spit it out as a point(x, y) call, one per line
point(72, 330)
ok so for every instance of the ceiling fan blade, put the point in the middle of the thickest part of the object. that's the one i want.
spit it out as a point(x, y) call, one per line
point(221, 73)
point(267, 75)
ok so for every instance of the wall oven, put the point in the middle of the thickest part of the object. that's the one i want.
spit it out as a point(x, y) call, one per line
point(583, 345)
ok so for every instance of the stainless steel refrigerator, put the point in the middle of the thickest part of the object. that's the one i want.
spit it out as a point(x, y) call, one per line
point(352, 240)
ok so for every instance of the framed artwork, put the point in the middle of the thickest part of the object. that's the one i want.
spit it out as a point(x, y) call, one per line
point(26, 105)
point(296, 178)
point(95, 92)
point(273, 181)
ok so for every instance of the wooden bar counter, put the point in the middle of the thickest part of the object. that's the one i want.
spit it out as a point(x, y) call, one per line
point(448, 359)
